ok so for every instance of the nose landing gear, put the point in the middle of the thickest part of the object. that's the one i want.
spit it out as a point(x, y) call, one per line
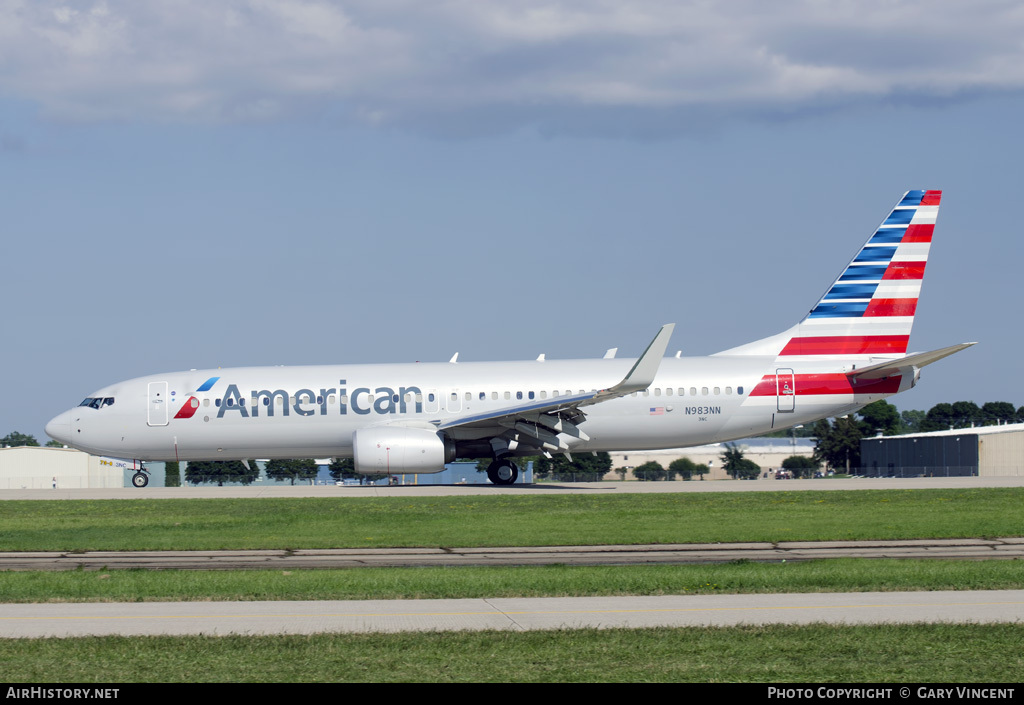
point(140, 478)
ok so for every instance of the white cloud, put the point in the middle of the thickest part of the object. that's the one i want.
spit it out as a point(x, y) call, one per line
point(512, 62)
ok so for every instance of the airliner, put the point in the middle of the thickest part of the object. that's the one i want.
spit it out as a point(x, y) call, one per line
point(848, 351)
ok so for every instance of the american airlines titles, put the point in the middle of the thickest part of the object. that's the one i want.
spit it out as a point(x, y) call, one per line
point(382, 400)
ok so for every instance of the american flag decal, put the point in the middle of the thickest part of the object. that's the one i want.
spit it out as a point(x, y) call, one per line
point(657, 410)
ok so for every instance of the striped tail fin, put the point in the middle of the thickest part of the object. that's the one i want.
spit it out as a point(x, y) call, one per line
point(869, 310)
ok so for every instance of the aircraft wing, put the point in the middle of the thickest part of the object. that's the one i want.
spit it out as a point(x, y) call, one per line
point(900, 366)
point(539, 423)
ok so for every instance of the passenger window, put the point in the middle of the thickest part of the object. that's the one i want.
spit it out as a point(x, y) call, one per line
point(483, 395)
point(657, 391)
point(693, 391)
point(668, 392)
point(543, 395)
point(530, 395)
point(718, 390)
point(728, 390)
point(508, 395)
point(739, 390)
point(494, 396)
point(519, 395)
point(704, 391)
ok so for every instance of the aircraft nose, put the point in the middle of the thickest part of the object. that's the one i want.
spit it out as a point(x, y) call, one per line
point(59, 428)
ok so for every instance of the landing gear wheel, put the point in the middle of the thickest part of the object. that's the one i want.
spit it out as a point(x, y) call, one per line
point(140, 479)
point(502, 472)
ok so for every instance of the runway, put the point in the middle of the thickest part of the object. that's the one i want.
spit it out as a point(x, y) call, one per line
point(512, 614)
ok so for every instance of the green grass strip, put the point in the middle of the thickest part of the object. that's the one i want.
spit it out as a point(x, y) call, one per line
point(840, 575)
point(208, 524)
point(772, 654)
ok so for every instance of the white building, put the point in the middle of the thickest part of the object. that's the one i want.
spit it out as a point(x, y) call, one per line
point(29, 467)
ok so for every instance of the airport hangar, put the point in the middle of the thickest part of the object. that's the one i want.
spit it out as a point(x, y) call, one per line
point(984, 451)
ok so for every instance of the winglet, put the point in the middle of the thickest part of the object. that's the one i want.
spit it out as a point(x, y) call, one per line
point(642, 375)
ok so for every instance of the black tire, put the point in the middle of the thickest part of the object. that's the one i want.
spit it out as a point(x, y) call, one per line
point(502, 472)
point(140, 479)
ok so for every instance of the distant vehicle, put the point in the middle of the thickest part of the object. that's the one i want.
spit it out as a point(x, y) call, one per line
point(850, 350)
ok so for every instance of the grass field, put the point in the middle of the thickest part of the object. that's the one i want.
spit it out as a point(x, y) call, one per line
point(775, 654)
point(882, 654)
point(208, 524)
point(840, 575)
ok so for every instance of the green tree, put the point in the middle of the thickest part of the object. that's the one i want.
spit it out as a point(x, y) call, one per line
point(685, 468)
point(938, 418)
point(801, 466)
point(911, 420)
point(304, 469)
point(14, 439)
point(54, 444)
point(220, 471)
point(342, 469)
point(998, 412)
point(172, 474)
point(345, 468)
point(738, 466)
point(838, 442)
point(881, 416)
point(966, 414)
point(584, 467)
point(650, 470)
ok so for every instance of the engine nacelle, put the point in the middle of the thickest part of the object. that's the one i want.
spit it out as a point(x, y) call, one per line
point(396, 450)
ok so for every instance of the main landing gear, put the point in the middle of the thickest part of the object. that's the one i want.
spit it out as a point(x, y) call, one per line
point(502, 472)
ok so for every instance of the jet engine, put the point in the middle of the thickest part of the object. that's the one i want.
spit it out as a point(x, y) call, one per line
point(396, 450)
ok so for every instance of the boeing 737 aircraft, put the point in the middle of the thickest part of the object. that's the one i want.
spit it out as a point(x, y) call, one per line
point(850, 350)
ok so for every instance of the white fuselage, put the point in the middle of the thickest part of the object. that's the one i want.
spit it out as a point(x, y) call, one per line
point(313, 412)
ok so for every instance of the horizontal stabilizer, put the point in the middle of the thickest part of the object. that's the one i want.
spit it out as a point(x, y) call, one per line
point(894, 367)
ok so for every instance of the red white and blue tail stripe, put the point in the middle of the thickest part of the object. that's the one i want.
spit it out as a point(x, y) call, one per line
point(869, 309)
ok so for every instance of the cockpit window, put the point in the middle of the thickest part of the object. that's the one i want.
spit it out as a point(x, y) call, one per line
point(97, 402)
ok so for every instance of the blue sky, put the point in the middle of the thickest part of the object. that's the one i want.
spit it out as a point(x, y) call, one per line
point(219, 184)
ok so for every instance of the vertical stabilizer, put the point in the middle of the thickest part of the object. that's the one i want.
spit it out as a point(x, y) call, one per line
point(869, 309)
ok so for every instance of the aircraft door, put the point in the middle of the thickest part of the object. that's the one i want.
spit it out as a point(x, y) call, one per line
point(158, 401)
point(785, 389)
